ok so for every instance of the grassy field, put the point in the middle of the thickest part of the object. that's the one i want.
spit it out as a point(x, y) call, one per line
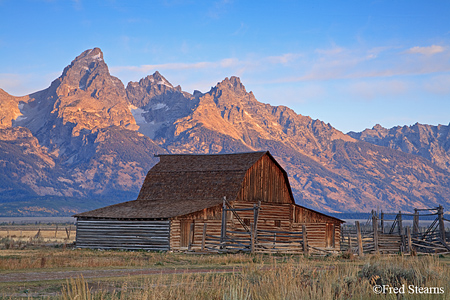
point(42, 269)
point(25, 236)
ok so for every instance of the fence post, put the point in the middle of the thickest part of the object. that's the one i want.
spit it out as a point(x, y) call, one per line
point(204, 236)
point(350, 240)
point(252, 239)
point(375, 232)
point(441, 223)
point(305, 241)
point(408, 234)
point(416, 221)
point(360, 245)
point(382, 222)
point(223, 228)
point(400, 226)
point(255, 224)
point(191, 236)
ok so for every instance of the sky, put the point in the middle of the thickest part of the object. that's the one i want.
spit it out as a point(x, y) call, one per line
point(352, 64)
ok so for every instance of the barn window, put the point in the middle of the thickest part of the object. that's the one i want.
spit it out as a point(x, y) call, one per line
point(277, 223)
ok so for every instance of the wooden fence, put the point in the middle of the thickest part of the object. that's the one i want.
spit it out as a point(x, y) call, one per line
point(251, 239)
point(379, 235)
point(264, 241)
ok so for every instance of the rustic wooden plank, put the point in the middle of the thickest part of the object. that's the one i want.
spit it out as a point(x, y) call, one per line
point(360, 245)
point(305, 241)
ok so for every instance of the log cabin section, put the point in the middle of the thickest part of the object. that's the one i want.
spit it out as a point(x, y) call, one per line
point(186, 192)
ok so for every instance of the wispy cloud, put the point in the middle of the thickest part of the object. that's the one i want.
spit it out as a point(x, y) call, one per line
point(431, 50)
point(219, 8)
point(374, 89)
point(439, 84)
point(241, 30)
point(23, 84)
point(381, 62)
point(77, 4)
point(283, 59)
point(223, 63)
point(385, 64)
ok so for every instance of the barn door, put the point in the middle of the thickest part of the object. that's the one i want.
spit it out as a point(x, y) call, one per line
point(186, 234)
point(329, 236)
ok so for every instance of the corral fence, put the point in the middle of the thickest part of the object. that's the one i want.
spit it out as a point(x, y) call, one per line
point(249, 238)
point(388, 233)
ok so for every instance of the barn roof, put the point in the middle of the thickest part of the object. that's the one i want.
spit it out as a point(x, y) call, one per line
point(181, 184)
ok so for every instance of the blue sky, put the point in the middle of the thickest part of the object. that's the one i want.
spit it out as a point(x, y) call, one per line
point(352, 64)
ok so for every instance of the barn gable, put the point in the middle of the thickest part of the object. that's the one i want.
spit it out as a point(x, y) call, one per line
point(266, 181)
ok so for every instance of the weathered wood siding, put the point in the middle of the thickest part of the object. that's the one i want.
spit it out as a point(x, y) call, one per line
point(265, 182)
point(304, 215)
point(268, 217)
point(318, 236)
point(120, 234)
point(212, 216)
point(195, 237)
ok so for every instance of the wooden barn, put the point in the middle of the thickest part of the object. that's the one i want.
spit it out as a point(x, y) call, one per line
point(210, 202)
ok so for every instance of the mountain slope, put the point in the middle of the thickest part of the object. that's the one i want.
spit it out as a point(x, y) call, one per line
point(430, 142)
point(88, 139)
point(76, 139)
point(328, 170)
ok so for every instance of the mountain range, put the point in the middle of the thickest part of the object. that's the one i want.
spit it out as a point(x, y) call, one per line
point(88, 141)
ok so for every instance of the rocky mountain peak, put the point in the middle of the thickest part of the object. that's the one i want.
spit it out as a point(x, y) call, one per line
point(84, 98)
point(151, 87)
point(233, 84)
point(88, 71)
point(430, 142)
point(90, 55)
point(378, 127)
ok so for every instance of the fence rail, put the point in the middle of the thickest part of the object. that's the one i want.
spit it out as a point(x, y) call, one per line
point(382, 237)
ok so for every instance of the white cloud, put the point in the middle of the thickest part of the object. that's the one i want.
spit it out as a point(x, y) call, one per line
point(431, 50)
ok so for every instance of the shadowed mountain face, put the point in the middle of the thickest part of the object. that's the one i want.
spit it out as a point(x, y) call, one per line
point(89, 137)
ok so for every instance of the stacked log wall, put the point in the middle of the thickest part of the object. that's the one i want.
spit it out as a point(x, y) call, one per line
point(119, 234)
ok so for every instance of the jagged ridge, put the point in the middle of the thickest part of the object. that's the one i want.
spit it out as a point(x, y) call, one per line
point(96, 139)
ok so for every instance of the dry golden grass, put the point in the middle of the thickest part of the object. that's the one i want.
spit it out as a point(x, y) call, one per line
point(255, 276)
point(293, 279)
point(60, 258)
point(27, 234)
